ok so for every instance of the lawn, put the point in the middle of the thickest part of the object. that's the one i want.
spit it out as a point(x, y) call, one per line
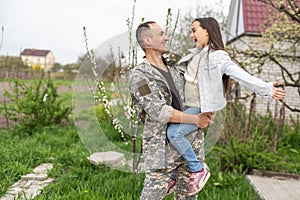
point(76, 178)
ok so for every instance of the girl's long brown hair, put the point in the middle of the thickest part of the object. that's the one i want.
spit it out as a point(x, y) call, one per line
point(215, 42)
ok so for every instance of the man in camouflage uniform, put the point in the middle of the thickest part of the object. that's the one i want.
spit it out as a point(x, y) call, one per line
point(154, 87)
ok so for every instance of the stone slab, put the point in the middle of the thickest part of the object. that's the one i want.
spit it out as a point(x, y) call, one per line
point(43, 168)
point(30, 185)
point(110, 158)
point(37, 177)
point(275, 188)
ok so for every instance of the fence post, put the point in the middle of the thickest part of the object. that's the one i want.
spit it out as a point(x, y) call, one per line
point(280, 123)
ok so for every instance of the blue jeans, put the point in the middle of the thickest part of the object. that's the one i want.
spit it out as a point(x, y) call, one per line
point(176, 134)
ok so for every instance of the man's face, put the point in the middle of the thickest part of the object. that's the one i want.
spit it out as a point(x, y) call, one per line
point(158, 39)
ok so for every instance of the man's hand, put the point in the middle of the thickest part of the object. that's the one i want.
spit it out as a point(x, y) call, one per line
point(213, 116)
point(205, 119)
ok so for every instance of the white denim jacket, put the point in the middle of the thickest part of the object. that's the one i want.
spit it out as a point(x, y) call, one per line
point(210, 71)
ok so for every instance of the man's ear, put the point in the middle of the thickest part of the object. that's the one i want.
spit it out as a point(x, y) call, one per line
point(147, 41)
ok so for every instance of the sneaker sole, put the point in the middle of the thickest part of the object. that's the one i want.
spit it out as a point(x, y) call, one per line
point(201, 185)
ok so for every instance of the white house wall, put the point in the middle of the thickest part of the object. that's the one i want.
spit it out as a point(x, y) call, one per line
point(235, 23)
point(46, 63)
point(270, 72)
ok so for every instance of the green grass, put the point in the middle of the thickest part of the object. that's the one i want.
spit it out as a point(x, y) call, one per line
point(76, 178)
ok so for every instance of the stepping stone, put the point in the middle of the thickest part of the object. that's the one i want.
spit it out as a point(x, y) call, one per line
point(109, 158)
point(43, 168)
point(31, 184)
point(8, 197)
point(37, 177)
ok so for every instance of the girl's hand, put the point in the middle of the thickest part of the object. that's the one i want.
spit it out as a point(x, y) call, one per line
point(277, 92)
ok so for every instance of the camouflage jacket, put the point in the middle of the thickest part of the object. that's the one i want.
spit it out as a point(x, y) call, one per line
point(152, 99)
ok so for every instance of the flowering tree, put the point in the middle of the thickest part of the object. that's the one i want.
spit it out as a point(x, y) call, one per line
point(116, 99)
point(112, 96)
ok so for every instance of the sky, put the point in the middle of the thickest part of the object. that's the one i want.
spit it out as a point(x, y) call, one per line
point(57, 25)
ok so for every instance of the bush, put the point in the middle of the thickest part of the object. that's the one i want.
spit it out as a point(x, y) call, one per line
point(290, 135)
point(245, 145)
point(245, 157)
point(35, 105)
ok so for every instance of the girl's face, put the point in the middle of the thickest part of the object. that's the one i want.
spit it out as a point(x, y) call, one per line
point(199, 35)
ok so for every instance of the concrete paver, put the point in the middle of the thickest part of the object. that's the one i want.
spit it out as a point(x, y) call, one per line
point(275, 188)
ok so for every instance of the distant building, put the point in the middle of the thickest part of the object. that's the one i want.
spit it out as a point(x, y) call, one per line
point(244, 30)
point(38, 59)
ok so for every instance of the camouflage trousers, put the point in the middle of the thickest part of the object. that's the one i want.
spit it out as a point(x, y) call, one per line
point(157, 180)
point(156, 184)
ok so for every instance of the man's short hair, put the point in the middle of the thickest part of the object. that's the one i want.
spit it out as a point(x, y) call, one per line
point(141, 30)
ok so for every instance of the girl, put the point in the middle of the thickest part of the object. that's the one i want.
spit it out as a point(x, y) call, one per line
point(207, 71)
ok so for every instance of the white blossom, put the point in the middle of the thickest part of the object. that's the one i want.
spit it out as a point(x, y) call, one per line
point(45, 97)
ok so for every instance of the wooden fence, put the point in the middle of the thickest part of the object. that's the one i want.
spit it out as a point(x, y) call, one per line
point(24, 75)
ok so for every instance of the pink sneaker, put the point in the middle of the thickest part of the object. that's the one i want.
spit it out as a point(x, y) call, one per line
point(171, 186)
point(197, 181)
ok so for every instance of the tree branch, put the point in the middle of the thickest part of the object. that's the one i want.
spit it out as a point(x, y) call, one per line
point(283, 9)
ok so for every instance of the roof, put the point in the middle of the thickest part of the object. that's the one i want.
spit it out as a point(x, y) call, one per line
point(246, 17)
point(35, 52)
point(255, 15)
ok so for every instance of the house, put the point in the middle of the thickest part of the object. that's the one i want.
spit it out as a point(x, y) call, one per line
point(244, 32)
point(38, 59)
point(246, 18)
